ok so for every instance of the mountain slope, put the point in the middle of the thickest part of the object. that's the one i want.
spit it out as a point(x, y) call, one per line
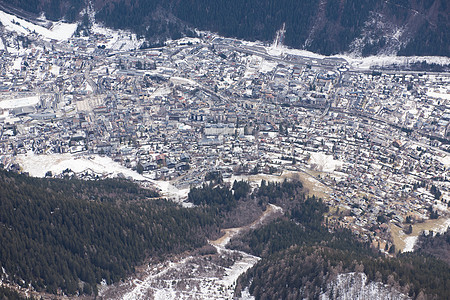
point(299, 263)
point(70, 234)
point(362, 27)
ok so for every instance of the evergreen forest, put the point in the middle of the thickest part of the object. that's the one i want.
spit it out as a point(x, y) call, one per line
point(70, 234)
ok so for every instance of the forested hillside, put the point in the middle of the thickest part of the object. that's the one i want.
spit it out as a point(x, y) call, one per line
point(300, 272)
point(9, 294)
point(68, 235)
point(301, 257)
point(57, 233)
point(438, 245)
point(363, 27)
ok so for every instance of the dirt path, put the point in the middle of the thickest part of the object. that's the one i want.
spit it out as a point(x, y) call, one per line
point(231, 232)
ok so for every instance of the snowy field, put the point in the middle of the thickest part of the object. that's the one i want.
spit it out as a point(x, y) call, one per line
point(442, 228)
point(38, 165)
point(161, 91)
point(364, 63)
point(441, 94)
point(267, 66)
point(324, 163)
point(59, 31)
point(119, 40)
point(19, 102)
point(182, 81)
point(410, 240)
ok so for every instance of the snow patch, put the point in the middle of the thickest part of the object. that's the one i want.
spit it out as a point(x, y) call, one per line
point(38, 165)
point(267, 66)
point(304, 53)
point(245, 295)
point(274, 51)
point(60, 31)
point(181, 80)
point(356, 286)
point(55, 70)
point(119, 40)
point(323, 162)
point(410, 241)
point(239, 267)
point(443, 227)
point(365, 63)
point(19, 102)
point(378, 30)
point(441, 94)
point(160, 92)
point(17, 65)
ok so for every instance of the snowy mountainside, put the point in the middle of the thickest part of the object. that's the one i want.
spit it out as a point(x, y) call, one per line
point(363, 27)
point(14, 29)
point(403, 28)
point(56, 30)
point(379, 36)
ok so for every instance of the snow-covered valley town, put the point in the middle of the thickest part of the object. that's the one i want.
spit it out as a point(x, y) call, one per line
point(369, 136)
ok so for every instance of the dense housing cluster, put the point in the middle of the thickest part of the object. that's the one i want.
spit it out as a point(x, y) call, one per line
point(377, 141)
